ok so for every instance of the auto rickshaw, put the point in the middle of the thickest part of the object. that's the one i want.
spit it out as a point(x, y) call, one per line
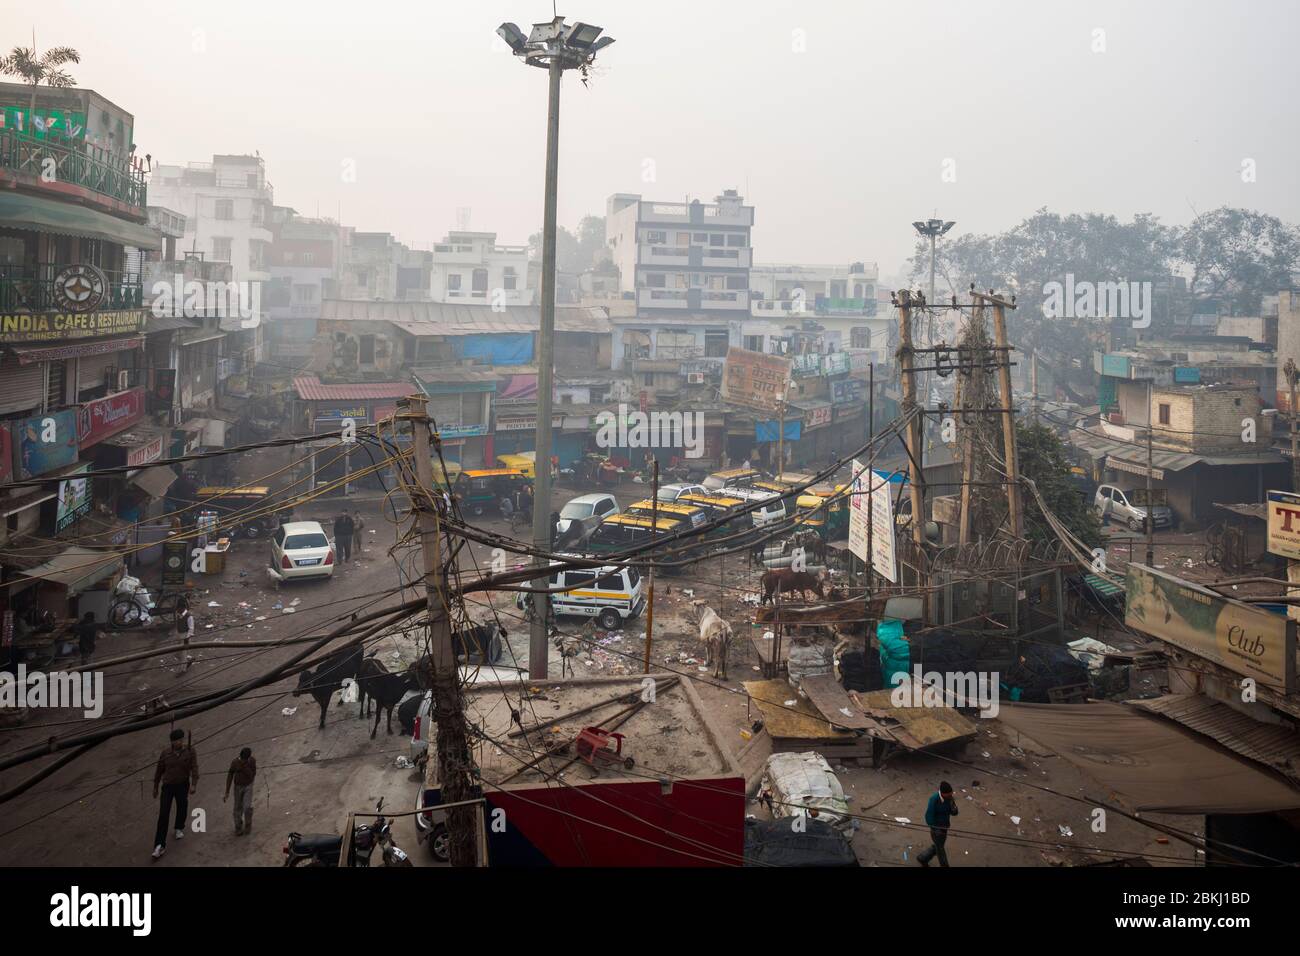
point(249, 511)
point(825, 510)
point(481, 489)
point(525, 462)
point(446, 476)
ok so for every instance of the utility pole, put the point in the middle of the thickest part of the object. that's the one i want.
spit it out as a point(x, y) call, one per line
point(654, 526)
point(871, 478)
point(915, 438)
point(1292, 374)
point(1151, 503)
point(965, 516)
point(555, 47)
point(1014, 513)
point(780, 436)
point(453, 756)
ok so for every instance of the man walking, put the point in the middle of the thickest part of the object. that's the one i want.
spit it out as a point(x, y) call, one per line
point(938, 815)
point(241, 773)
point(343, 536)
point(86, 630)
point(178, 774)
point(358, 526)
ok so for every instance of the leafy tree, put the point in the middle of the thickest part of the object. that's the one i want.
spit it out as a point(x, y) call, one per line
point(573, 253)
point(24, 63)
point(1045, 461)
point(1237, 256)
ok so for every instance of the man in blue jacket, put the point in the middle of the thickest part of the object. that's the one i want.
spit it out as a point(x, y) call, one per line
point(938, 816)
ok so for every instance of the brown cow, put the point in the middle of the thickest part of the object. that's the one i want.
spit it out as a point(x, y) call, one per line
point(783, 579)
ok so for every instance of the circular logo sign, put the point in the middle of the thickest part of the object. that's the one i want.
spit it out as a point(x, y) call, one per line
point(79, 288)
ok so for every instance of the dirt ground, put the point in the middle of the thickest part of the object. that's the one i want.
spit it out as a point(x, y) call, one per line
point(100, 811)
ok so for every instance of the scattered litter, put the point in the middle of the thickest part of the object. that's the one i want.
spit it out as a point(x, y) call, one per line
point(755, 667)
point(289, 711)
point(260, 617)
point(402, 763)
point(1016, 821)
point(207, 627)
point(213, 604)
point(295, 602)
point(702, 667)
point(902, 820)
point(846, 712)
point(291, 610)
point(791, 703)
point(986, 753)
point(991, 813)
point(276, 606)
point(1065, 831)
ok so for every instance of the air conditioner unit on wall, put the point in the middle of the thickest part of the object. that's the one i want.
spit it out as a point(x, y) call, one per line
point(694, 378)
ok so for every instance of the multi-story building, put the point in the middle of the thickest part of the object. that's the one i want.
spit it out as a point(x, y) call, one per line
point(469, 268)
point(73, 319)
point(377, 266)
point(681, 258)
point(305, 261)
point(838, 298)
point(227, 207)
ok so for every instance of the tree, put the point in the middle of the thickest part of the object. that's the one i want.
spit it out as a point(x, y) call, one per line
point(1237, 256)
point(573, 253)
point(24, 63)
point(1044, 460)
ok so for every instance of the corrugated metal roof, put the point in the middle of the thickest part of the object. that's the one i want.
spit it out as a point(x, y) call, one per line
point(1098, 445)
point(436, 318)
point(311, 389)
point(1258, 510)
point(1269, 744)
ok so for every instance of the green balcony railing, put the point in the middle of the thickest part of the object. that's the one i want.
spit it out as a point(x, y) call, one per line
point(33, 290)
point(80, 164)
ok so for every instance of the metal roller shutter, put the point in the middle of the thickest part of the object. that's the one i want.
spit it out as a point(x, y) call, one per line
point(21, 386)
point(91, 368)
point(445, 409)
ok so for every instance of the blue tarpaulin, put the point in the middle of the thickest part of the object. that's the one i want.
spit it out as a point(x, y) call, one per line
point(895, 652)
point(515, 348)
point(767, 431)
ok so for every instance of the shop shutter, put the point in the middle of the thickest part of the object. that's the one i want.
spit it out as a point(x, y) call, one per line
point(21, 386)
point(91, 369)
point(445, 409)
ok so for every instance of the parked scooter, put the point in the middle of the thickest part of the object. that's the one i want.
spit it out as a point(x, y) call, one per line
point(322, 849)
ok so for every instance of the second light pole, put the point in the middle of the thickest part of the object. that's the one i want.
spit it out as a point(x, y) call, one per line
point(554, 47)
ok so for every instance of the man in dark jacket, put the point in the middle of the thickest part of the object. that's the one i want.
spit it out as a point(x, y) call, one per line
point(938, 816)
point(243, 770)
point(87, 630)
point(343, 529)
point(178, 774)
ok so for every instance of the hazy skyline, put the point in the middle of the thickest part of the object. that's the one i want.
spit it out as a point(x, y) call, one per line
point(835, 120)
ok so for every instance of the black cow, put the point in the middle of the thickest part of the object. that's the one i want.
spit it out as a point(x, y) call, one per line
point(386, 690)
point(475, 644)
point(370, 668)
point(329, 677)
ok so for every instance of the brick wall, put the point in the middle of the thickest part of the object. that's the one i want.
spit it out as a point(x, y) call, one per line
point(1207, 420)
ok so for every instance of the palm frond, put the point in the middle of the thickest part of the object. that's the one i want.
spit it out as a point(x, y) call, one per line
point(58, 55)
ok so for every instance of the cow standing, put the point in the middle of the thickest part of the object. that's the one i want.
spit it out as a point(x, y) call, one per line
point(387, 690)
point(329, 676)
point(715, 633)
point(779, 581)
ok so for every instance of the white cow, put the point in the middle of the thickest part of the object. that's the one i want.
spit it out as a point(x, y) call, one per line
point(715, 633)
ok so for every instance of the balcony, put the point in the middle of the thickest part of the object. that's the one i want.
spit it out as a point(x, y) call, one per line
point(97, 171)
point(25, 290)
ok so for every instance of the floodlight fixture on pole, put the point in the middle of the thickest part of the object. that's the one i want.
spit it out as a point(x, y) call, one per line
point(555, 47)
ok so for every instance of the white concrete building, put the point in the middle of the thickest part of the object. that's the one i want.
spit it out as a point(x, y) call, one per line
point(469, 268)
point(227, 208)
point(678, 258)
point(839, 298)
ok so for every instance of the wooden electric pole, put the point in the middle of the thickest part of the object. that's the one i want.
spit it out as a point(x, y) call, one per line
point(453, 752)
point(1014, 514)
point(654, 527)
point(914, 440)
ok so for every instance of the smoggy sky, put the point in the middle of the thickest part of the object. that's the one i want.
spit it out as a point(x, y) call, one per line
point(834, 119)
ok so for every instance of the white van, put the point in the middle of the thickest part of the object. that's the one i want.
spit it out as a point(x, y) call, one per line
point(772, 509)
point(609, 594)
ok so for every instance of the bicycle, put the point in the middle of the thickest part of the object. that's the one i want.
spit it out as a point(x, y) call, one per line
point(130, 609)
point(520, 519)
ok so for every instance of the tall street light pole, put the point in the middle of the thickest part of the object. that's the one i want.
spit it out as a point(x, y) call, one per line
point(555, 47)
point(933, 228)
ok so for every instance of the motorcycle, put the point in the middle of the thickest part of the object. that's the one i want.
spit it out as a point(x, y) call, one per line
point(322, 849)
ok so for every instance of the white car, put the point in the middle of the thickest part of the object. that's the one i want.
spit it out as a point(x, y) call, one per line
point(301, 549)
point(584, 507)
point(771, 510)
point(675, 491)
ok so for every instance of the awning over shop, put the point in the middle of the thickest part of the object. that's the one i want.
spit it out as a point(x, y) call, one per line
point(155, 480)
point(198, 337)
point(1153, 764)
point(76, 569)
point(31, 354)
point(1123, 456)
point(19, 211)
